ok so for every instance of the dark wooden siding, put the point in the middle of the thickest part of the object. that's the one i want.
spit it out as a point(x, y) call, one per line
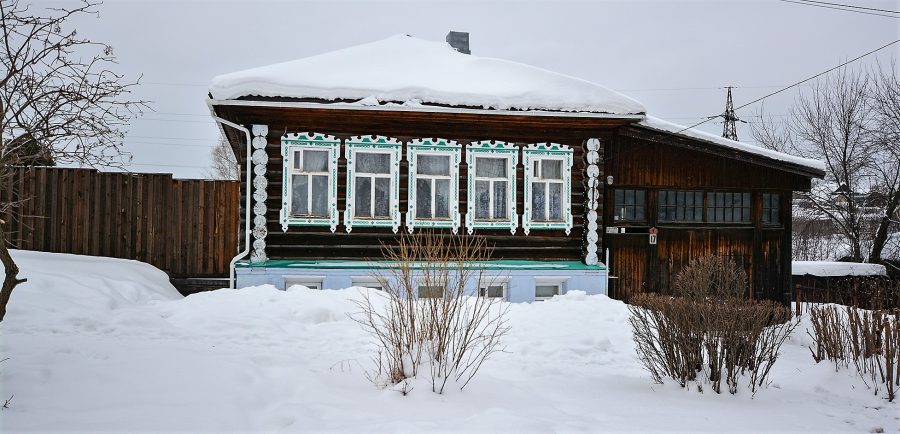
point(187, 228)
point(654, 162)
point(305, 242)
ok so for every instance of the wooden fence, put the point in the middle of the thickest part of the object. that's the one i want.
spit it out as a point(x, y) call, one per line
point(188, 228)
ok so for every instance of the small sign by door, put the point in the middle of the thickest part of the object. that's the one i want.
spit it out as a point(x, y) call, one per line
point(653, 231)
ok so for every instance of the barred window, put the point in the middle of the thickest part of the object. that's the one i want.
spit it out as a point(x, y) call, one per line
point(726, 207)
point(630, 205)
point(771, 204)
point(680, 206)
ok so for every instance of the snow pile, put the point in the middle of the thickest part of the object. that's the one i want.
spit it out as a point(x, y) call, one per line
point(830, 269)
point(408, 70)
point(668, 127)
point(263, 360)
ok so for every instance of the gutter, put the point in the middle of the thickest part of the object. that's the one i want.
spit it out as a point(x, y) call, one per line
point(421, 109)
point(231, 278)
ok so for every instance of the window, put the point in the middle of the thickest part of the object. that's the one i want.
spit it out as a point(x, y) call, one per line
point(310, 187)
point(680, 206)
point(629, 205)
point(770, 208)
point(548, 187)
point(545, 287)
point(373, 178)
point(495, 287)
point(430, 291)
point(434, 184)
point(492, 185)
point(311, 282)
point(366, 282)
point(726, 207)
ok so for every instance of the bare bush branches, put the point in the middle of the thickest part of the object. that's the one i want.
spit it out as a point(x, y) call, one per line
point(425, 320)
point(710, 335)
point(867, 340)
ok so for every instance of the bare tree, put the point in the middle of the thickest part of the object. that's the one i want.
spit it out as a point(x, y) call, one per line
point(850, 121)
point(224, 163)
point(59, 99)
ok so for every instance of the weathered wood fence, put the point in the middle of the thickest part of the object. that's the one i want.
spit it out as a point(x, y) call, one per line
point(188, 228)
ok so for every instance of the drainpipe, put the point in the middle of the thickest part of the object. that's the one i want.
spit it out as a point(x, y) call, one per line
point(231, 278)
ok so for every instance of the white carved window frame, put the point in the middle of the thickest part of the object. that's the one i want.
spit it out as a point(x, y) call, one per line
point(493, 149)
point(377, 145)
point(297, 142)
point(548, 151)
point(439, 147)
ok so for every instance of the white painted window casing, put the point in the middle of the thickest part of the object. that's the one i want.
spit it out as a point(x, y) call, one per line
point(311, 282)
point(492, 185)
point(309, 184)
point(548, 187)
point(433, 200)
point(373, 182)
point(545, 287)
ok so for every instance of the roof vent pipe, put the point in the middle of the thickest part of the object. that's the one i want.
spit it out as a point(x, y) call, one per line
point(459, 41)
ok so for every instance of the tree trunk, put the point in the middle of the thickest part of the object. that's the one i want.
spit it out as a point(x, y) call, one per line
point(883, 226)
point(11, 280)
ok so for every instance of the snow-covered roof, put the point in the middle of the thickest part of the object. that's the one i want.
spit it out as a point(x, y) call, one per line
point(409, 70)
point(668, 127)
point(830, 269)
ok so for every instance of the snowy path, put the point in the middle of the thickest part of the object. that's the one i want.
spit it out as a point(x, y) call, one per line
point(99, 345)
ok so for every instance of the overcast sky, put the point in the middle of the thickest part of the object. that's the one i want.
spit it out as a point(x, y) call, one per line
point(672, 56)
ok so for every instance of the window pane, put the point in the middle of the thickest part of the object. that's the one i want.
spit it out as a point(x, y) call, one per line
point(538, 201)
point(442, 198)
point(299, 192)
point(382, 197)
point(551, 169)
point(482, 199)
point(363, 199)
point(500, 199)
point(423, 198)
point(372, 163)
point(296, 164)
point(542, 291)
point(490, 167)
point(315, 161)
point(319, 196)
point(430, 291)
point(493, 291)
point(555, 202)
point(433, 165)
point(629, 197)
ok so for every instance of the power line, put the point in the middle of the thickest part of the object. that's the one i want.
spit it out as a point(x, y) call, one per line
point(801, 2)
point(852, 6)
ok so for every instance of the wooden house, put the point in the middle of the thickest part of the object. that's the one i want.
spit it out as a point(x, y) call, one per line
point(342, 151)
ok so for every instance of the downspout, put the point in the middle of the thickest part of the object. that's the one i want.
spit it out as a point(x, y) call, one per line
point(231, 279)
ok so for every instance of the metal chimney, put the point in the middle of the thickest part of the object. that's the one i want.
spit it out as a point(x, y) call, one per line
point(459, 41)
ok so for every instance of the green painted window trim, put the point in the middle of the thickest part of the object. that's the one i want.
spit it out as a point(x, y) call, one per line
point(492, 149)
point(383, 144)
point(291, 143)
point(433, 147)
point(544, 151)
point(498, 264)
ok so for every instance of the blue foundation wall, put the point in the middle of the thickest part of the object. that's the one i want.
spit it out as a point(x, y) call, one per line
point(520, 279)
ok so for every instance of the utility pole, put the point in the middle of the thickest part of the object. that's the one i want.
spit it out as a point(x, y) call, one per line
point(729, 131)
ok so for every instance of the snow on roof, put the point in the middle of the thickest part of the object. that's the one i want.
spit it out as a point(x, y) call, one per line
point(829, 269)
point(405, 69)
point(665, 126)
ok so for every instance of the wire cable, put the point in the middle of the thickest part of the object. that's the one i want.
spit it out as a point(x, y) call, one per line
point(801, 2)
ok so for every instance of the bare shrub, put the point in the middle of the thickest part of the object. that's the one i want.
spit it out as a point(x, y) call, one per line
point(867, 340)
point(710, 334)
point(425, 320)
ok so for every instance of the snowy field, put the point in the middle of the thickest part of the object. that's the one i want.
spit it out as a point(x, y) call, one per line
point(106, 345)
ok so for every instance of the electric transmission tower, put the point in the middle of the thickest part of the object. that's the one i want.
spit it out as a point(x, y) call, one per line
point(729, 131)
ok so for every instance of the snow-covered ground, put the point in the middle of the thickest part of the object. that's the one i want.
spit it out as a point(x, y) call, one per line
point(106, 345)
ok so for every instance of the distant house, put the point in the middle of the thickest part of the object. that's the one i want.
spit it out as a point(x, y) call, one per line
point(349, 148)
point(833, 282)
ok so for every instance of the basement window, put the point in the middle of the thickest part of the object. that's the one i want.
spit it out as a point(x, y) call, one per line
point(545, 287)
point(311, 282)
